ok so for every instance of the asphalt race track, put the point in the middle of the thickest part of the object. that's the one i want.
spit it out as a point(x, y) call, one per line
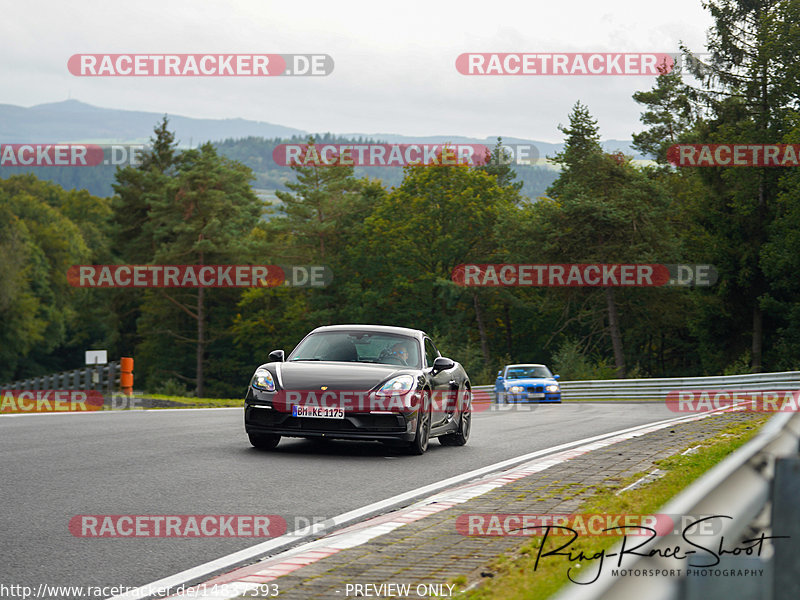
point(196, 462)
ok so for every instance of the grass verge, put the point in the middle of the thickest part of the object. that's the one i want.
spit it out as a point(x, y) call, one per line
point(189, 402)
point(515, 577)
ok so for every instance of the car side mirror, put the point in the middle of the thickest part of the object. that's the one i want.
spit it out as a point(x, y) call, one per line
point(499, 374)
point(440, 363)
point(556, 376)
point(277, 356)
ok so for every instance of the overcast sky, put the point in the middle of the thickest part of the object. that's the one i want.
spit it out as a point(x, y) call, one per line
point(394, 61)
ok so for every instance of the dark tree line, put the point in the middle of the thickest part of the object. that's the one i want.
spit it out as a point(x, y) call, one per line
point(392, 249)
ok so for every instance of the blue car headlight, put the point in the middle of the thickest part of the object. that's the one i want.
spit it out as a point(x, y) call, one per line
point(553, 387)
point(262, 380)
point(398, 385)
point(516, 389)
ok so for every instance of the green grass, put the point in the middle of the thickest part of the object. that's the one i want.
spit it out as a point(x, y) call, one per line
point(189, 402)
point(178, 402)
point(515, 578)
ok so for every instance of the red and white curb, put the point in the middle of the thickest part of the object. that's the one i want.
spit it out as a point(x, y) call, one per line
point(247, 580)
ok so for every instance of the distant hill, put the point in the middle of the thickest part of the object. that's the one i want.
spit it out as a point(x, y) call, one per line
point(544, 149)
point(74, 121)
point(250, 142)
point(256, 153)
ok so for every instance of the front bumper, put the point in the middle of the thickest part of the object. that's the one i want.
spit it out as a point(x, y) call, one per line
point(397, 426)
point(528, 398)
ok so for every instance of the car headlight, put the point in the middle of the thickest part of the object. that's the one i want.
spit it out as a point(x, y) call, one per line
point(398, 385)
point(516, 389)
point(263, 380)
point(553, 387)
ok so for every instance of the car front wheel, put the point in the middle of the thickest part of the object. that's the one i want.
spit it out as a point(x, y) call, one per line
point(420, 443)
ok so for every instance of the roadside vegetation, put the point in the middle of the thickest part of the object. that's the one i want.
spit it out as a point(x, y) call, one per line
point(514, 576)
point(392, 250)
point(184, 402)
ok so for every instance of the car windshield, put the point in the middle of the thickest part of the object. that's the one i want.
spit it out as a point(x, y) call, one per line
point(525, 372)
point(359, 346)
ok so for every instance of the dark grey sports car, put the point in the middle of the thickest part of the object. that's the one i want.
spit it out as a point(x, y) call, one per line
point(360, 382)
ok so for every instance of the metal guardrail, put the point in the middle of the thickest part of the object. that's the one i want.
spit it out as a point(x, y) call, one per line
point(758, 486)
point(598, 389)
point(657, 389)
point(100, 377)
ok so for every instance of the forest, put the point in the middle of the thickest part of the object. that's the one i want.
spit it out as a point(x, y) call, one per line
point(392, 248)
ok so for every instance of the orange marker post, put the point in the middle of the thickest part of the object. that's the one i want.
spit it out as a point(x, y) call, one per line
point(126, 375)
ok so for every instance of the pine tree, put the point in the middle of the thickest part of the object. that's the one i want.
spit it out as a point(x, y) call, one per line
point(669, 114)
point(747, 95)
point(311, 210)
point(603, 210)
point(498, 165)
point(205, 216)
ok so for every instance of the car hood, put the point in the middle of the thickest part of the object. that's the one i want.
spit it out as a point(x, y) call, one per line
point(312, 375)
point(530, 381)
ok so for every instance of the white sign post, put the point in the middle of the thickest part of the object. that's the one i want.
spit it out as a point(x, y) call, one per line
point(96, 357)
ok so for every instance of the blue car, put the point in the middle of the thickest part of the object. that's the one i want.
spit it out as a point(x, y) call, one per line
point(527, 383)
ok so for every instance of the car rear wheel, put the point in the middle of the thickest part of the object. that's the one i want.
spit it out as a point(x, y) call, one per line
point(420, 443)
point(460, 437)
point(264, 441)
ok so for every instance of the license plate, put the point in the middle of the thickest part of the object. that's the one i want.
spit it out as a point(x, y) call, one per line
point(537, 395)
point(319, 412)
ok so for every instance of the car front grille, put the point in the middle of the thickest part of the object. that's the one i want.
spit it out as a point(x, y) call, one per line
point(355, 423)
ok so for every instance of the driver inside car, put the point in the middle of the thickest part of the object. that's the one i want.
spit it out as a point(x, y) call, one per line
point(399, 351)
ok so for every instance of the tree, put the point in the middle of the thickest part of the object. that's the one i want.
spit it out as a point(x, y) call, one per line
point(206, 215)
point(137, 187)
point(320, 221)
point(440, 217)
point(781, 264)
point(602, 210)
point(582, 151)
point(498, 165)
point(44, 322)
point(309, 214)
point(746, 93)
point(669, 115)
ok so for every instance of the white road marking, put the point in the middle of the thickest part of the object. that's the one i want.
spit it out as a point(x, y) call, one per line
point(119, 412)
point(161, 586)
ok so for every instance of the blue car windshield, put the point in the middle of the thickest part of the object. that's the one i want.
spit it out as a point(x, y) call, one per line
point(528, 372)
